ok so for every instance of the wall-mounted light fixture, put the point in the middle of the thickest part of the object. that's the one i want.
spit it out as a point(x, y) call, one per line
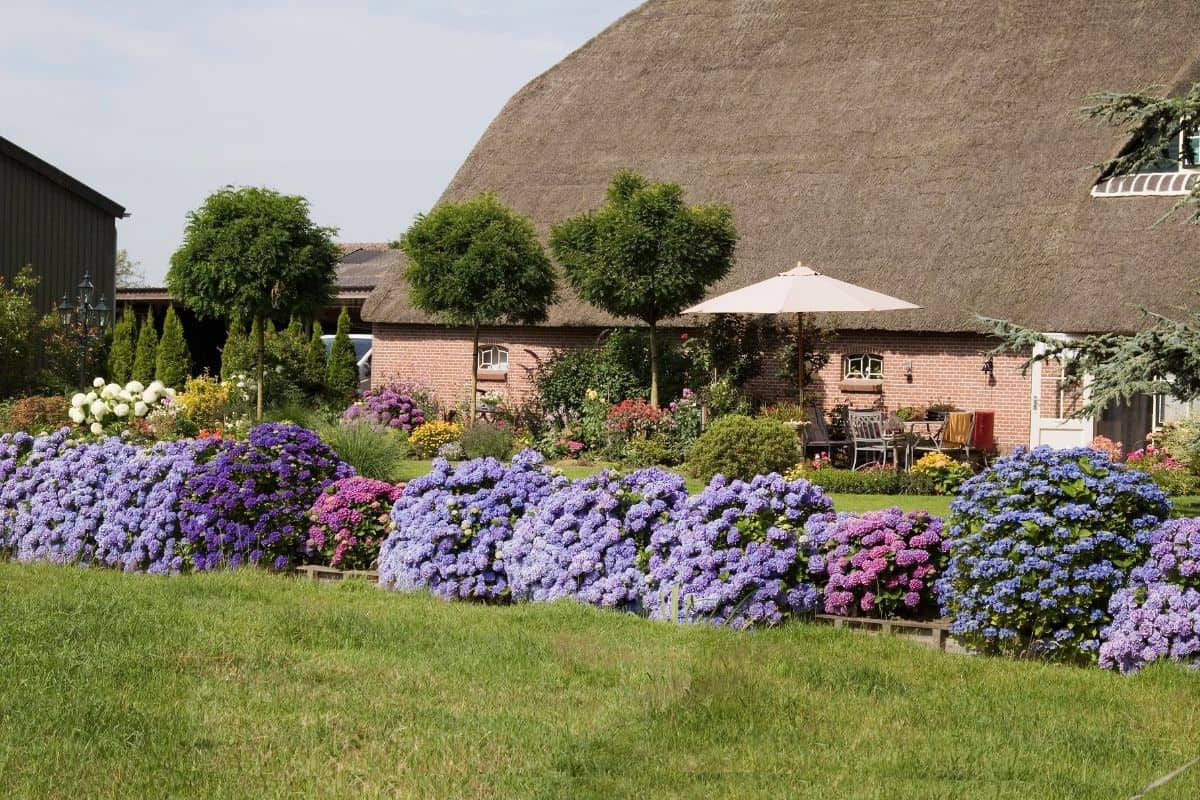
point(908, 371)
point(988, 367)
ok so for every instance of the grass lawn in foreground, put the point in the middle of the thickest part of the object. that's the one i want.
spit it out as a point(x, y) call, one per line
point(255, 686)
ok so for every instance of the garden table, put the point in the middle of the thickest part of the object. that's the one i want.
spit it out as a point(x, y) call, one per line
point(918, 430)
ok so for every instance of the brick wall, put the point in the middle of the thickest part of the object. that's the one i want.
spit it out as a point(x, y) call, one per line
point(944, 367)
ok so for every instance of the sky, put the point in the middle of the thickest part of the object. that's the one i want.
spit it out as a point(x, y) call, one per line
point(366, 109)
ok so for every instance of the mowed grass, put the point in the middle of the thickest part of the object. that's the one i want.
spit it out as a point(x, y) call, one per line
point(254, 686)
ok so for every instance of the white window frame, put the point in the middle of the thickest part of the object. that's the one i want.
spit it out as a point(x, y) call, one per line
point(862, 366)
point(492, 357)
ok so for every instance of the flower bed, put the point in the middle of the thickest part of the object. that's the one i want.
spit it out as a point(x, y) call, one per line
point(588, 539)
point(736, 555)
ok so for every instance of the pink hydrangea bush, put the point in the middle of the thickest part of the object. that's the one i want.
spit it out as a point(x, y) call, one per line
point(350, 520)
point(881, 564)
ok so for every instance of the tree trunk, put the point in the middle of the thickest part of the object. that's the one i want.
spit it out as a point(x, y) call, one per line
point(653, 366)
point(261, 346)
point(474, 372)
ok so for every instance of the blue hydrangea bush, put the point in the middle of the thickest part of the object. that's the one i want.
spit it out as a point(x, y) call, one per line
point(106, 502)
point(453, 523)
point(589, 539)
point(737, 554)
point(249, 503)
point(1039, 543)
point(1157, 615)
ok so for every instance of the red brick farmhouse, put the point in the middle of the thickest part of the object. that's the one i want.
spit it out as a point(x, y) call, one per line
point(932, 151)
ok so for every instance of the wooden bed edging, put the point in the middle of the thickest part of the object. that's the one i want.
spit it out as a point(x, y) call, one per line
point(934, 634)
point(317, 573)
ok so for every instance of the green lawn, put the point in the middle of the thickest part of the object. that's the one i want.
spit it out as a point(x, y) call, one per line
point(248, 685)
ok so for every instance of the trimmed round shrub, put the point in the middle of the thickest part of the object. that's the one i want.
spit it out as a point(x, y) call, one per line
point(742, 447)
point(350, 521)
point(589, 539)
point(386, 407)
point(249, 504)
point(429, 438)
point(451, 526)
point(1039, 542)
point(1160, 621)
point(736, 555)
point(880, 564)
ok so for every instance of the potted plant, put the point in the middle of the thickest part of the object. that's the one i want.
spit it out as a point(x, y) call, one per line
point(909, 413)
point(939, 410)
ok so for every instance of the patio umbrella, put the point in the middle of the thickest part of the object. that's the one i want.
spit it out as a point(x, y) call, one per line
point(799, 291)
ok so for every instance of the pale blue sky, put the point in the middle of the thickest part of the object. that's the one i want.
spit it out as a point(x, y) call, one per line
point(366, 109)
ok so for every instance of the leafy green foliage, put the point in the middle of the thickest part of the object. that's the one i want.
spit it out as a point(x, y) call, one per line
point(121, 351)
point(174, 361)
point(18, 332)
point(286, 358)
point(341, 372)
point(478, 263)
point(645, 255)
point(741, 447)
point(253, 254)
point(146, 357)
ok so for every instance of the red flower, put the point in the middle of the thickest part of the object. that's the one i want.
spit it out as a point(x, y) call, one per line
point(683, 337)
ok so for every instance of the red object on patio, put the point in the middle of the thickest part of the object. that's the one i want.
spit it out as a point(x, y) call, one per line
point(984, 437)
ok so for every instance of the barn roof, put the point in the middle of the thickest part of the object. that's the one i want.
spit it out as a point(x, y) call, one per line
point(57, 176)
point(931, 150)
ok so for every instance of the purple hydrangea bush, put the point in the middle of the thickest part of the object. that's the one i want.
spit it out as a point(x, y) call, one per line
point(1157, 615)
point(589, 539)
point(884, 563)
point(350, 521)
point(452, 524)
point(55, 505)
point(737, 554)
point(386, 407)
point(1039, 543)
point(249, 503)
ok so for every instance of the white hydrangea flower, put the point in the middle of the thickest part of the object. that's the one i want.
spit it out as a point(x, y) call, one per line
point(76, 414)
point(98, 383)
point(135, 387)
point(113, 389)
point(99, 408)
point(140, 409)
point(90, 398)
point(97, 428)
point(150, 396)
point(78, 399)
point(121, 410)
point(156, 385)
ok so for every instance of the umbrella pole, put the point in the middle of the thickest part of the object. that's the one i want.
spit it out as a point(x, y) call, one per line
point(800, 356)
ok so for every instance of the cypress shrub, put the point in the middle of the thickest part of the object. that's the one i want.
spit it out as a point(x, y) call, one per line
point(236, 355)
point(174, 363)
point(315, 362)
point(120, 354)
point(341, 373)
point(144, 361)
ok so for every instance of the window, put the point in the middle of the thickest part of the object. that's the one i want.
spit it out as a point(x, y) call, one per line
point(1174, 173)
point(493, 357)
point(866, 366)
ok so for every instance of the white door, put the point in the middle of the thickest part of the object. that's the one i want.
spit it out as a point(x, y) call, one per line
point(1050, 417)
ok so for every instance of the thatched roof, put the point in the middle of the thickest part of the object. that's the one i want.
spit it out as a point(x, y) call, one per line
point(929, 150)
point(364, 264)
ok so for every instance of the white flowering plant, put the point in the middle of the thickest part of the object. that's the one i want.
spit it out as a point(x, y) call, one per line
point(112, 408)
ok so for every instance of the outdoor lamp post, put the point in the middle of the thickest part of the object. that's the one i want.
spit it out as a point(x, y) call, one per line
point(91, 318)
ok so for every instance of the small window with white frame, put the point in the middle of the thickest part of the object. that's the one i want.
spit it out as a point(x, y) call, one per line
point(863, 366)
point(493, 357)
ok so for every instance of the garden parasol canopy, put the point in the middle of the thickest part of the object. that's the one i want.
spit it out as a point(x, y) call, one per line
point(800, 291)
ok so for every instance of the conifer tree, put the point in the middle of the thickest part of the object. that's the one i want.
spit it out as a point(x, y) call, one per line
point(174, 363)
point(341, 373)
point(315, 362)
point(120, 354)
point(236, 356)
point(144, 361)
